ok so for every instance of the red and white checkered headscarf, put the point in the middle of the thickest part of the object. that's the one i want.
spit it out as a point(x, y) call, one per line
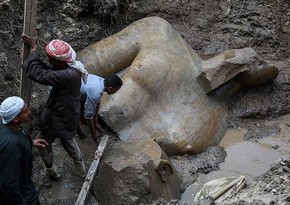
point(62, 51)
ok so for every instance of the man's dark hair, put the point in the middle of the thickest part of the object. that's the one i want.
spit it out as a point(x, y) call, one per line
point(113, 81)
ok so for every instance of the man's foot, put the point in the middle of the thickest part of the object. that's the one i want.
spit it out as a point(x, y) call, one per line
point(52, 173)
point(80, 168)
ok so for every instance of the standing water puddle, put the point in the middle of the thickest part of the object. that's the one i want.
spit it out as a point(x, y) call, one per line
point(250, 159)
point(247, 158)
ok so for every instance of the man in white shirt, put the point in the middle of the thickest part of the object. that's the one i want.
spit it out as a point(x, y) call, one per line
point(91, 94)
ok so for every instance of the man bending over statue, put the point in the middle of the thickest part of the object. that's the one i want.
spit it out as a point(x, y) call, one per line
point(91, 93)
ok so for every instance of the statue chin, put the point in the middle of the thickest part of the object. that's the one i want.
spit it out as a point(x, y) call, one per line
point(169, 93)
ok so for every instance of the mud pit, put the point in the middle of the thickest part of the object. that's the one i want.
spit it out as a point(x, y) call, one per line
point(209, 27)
point(234, 156)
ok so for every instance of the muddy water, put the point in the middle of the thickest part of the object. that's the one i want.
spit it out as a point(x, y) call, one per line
point(247, 158)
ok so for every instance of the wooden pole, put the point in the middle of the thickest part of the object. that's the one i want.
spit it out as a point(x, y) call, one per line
point(92, 172)
point(29, 28)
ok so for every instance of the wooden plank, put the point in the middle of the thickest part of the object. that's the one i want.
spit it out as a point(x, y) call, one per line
point(29, 28)
point(92, 172)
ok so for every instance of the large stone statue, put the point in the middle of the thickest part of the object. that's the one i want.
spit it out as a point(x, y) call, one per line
point(136, 173)
point(169, 91)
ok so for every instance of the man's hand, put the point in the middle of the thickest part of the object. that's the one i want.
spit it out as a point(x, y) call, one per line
point(40, 143)
point(95, 133)
point(31, 41)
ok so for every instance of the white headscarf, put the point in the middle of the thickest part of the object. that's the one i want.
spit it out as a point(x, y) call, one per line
point(10, 108)
point(62, 51)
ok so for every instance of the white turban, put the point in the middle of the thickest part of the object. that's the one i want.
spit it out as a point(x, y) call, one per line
point(10, 108)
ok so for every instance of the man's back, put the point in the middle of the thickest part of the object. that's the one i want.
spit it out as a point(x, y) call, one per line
point(64, 102)
point(94, 87)
point(64, 98)
point(91, 93)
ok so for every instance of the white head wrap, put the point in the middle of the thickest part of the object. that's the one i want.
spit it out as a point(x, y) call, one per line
point(10, 108)
point(78, 65)
point(62, 51)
